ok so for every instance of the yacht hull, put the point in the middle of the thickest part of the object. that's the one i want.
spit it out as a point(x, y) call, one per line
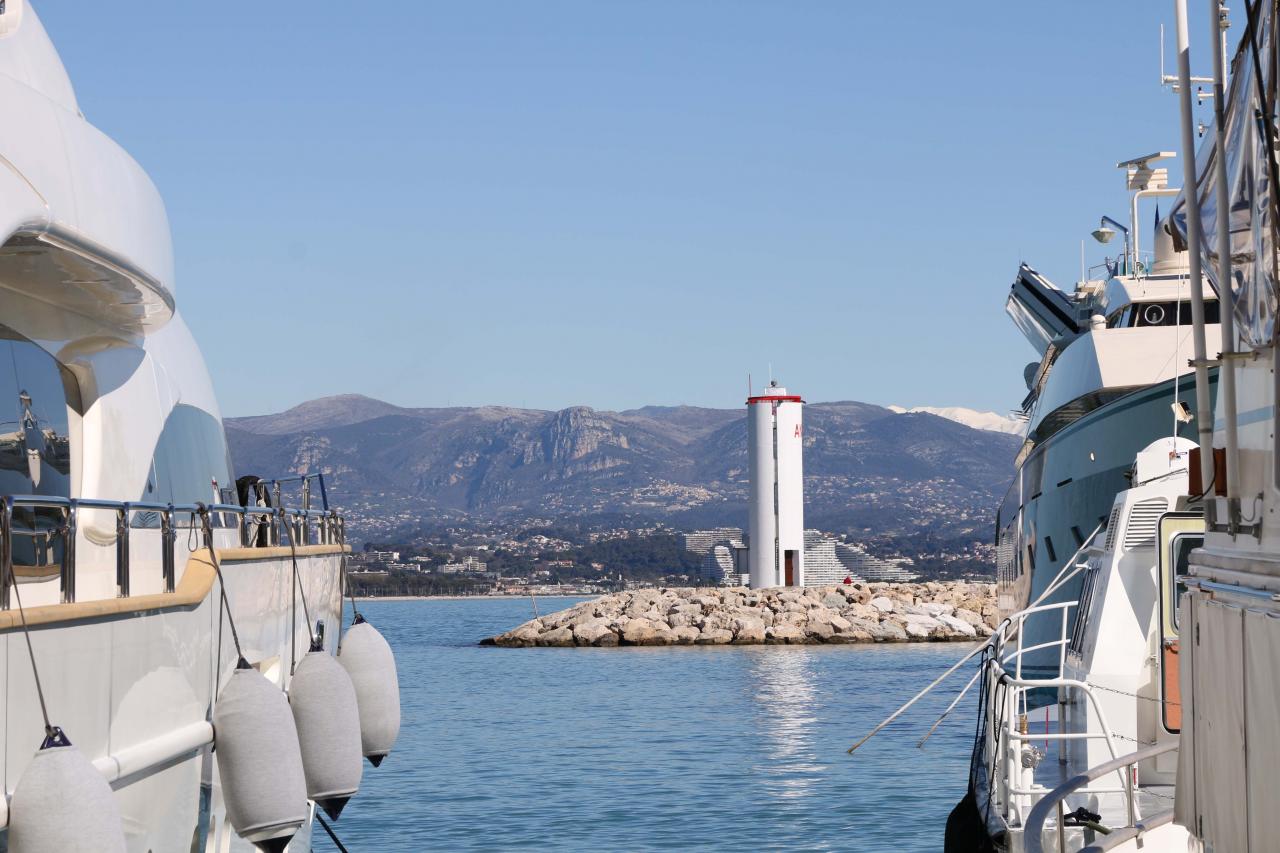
point(1064, 490)
point(133, 682)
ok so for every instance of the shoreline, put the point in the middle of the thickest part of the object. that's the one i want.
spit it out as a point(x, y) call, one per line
point(503, 597)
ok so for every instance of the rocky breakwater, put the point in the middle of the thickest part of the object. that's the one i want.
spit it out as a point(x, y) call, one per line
point(855, 613)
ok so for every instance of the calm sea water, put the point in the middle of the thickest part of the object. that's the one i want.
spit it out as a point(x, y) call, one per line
point(651, 749)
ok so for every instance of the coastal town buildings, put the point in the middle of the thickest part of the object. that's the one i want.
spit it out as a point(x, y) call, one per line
point(828, 560)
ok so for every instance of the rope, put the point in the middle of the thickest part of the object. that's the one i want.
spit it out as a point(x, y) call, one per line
point(1119, 736)
point(356, 618)
point(51, 732)
point(1133, 695)
point(222, 584)
point(297, 585)
point(332, 834)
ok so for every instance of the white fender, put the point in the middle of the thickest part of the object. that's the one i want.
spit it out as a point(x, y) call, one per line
point(259, 761)
point(63, 805)
point(328, 720)
point(368, 659)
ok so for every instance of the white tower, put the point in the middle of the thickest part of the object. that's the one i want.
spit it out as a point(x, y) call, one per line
point(775, 449)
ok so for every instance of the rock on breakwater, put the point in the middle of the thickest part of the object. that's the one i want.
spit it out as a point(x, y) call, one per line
point(854, 613)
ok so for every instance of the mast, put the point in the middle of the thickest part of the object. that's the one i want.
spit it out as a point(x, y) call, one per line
point(1226, 295)
point(1204, 416)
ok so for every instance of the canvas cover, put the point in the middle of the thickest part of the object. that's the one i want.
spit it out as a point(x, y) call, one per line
point(1219, 743)
point(1262, 735)
point(1253, 207)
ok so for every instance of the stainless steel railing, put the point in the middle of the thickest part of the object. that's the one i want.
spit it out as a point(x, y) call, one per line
point(1033, 835)
point(309, 526)
point(304, 482)
point(1015, 790)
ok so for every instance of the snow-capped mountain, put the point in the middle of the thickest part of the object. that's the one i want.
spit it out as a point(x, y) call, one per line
point(971, 418)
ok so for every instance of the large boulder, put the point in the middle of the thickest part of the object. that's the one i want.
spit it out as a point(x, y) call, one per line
point(714, 637)
point(834, 600)
point(820, 631)
point(958, 626)
point(592, 632)
point(647, 632)
point(917, 630)
point(687, 635)
point(784, 633)
point(883, 603)
point(889, 631)
point(680, 620)
point(556, 637)
point(748, 629)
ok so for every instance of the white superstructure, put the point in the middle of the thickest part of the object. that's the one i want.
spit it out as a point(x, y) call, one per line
point(1114, 687)
point(775, 451)
point(143, 577)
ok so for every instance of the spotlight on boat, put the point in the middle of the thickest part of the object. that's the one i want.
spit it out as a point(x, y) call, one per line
point(1103, 234)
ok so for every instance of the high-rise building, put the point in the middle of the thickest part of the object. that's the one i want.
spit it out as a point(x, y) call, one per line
point(828, 561)
point(720, 566)
point(775, 449)
point(723, 554)
point(822, 566)
point(702, 541)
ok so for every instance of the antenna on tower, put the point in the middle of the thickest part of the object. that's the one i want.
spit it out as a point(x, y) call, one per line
point(750, 393)
point(771, 373)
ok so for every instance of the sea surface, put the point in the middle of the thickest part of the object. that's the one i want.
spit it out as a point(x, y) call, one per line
point(684, 748)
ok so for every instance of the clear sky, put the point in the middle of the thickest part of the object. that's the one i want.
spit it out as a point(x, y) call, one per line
point(616, 204)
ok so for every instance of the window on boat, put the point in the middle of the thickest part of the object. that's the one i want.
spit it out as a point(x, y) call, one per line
point(1048, 547)
point(190, 455)
point(1160, 314)
point(1181, 546)
point(37, 395)
point(1082, 610)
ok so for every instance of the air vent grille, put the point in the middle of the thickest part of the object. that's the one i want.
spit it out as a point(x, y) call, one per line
point(1141, 529)
point(1113, 524)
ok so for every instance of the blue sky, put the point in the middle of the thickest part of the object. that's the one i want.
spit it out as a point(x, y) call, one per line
point(618, 204)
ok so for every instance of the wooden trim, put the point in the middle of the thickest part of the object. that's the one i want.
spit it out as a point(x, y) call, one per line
point(278, 551)
point(194, 588)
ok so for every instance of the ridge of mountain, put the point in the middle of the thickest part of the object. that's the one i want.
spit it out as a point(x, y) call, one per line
point(866, 466)
point(971, 417)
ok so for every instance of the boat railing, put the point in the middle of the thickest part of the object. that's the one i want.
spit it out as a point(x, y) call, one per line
point(58, 520)
point(1012, 756)
point(274, 487)
point(1033, 836)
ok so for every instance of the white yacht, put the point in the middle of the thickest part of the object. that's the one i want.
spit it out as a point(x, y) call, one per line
point(1112, 377)
point(1197, 698)
point(1114, 684)
point(139, 592)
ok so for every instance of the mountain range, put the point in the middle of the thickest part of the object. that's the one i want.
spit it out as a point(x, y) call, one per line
point(867, 468)
point(971, 417)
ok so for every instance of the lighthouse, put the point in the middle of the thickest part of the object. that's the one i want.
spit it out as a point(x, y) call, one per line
point(775, 448)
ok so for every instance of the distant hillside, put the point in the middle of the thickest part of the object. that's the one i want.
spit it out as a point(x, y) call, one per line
point(866, 467)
